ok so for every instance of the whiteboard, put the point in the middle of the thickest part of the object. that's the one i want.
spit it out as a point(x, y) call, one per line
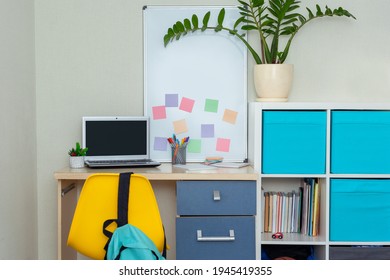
point(196, 86)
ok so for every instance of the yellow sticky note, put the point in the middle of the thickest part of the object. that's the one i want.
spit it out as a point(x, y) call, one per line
point(230, 116)
point(180, 126)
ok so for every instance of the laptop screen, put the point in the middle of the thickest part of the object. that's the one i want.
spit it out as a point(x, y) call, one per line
point(116, 137)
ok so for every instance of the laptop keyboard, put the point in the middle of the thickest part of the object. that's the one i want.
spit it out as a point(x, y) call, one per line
point(123, 163)
point(127, 161)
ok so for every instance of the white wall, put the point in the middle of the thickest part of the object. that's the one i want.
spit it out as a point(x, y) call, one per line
point(89, 62)
point(18, 216)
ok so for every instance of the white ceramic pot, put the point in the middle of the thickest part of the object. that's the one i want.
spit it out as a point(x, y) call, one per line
point(76, 162)
point(273, 82)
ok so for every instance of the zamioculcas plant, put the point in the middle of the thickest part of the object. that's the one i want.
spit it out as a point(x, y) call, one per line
point(271, 20)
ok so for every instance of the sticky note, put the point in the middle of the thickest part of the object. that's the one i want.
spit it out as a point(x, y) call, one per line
point(230, 116)
point(223, 145)
point(207, 130)
point(180, 126)
point(160, 144)
point(194, 146)
point(171, 100)
point(211, 105)
point(159, 112)
point(187, 104)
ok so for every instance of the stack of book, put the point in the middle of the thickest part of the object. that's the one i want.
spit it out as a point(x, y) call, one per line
point(293, 212)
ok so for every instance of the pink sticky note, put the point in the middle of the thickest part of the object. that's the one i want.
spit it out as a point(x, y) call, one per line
point(186, 104)
point(180, 126)
point(159, 112)
point(223, 145)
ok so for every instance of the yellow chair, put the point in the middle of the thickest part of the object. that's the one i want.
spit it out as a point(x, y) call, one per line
point(98, 202)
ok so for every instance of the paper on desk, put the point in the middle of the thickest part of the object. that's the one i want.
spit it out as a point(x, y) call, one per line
point(231, 164)
point(195, 166)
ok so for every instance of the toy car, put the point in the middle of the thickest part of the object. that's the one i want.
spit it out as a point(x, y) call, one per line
point(277, 235)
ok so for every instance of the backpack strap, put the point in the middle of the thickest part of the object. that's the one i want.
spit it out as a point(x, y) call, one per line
point(123, 210)
point(123, 207)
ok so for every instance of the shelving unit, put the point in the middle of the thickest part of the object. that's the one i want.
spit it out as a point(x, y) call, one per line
point(289, 117)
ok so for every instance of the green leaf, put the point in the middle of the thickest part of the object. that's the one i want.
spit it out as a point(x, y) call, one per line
point(328, 11)
point(206, 19)
point(238, 22)
point(319, 12)
point(242, 3)
point(311, 15)
point(248, 27)
point(175, 29)
point(187, 24)
point(195, 21)
point(180, 26)
point(170, 32)
point(258, 3)
point(167, 39)
point(221, 16)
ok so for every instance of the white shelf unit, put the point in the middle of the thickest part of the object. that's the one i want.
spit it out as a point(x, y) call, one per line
point(283, 182)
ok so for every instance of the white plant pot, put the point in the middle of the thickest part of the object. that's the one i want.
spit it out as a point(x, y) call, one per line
point(273, 82)
point(76, 162)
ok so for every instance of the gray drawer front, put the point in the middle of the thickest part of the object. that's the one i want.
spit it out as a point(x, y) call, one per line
point(216, 198)
point(216, 242)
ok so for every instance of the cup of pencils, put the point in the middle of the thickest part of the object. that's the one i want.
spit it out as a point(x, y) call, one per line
point(178, 149)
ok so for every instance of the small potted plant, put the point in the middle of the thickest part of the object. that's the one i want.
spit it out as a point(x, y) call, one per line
point(276, 22)
point(76, 156)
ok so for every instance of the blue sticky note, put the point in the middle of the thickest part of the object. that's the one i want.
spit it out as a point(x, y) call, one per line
point(171, 100)
point(160, 144)
point(207, 130)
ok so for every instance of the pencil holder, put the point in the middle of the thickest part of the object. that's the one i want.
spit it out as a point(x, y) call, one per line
point(179, 154)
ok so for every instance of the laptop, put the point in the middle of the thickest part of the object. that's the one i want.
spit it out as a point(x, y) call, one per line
point(117, 142)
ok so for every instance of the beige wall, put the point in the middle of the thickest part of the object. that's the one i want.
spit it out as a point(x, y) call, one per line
point(18, 188)
point(89, 61)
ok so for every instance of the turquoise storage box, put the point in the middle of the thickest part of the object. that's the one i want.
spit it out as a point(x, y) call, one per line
point(360, 210)
point(360, 142)
point(294, 142)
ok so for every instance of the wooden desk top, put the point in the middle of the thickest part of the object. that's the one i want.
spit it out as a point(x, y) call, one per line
point(164, 172)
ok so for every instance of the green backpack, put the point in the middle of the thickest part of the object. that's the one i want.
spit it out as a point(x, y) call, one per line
point(130, 243)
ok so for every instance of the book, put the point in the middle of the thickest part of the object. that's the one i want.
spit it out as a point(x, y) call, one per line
point(266, 211)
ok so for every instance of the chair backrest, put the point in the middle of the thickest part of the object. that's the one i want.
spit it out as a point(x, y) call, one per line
point(98, 202)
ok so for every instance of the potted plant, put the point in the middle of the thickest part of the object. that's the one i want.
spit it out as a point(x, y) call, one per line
point(272, 20)
point(76, 156)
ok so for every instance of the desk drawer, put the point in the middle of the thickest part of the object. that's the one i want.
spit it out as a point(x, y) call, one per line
point(215, 238)
point(216, 197)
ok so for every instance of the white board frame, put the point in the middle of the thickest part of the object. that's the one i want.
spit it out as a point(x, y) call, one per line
point(210, 66)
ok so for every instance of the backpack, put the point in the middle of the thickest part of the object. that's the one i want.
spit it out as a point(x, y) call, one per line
point(128, 242)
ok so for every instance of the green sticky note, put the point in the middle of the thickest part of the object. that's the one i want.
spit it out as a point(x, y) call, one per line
point(211, 105)
point(194, 146)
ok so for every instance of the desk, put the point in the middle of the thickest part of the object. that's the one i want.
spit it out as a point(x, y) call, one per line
point(163, 180)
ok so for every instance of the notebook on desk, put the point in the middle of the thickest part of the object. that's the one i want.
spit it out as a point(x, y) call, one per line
point(117, 142)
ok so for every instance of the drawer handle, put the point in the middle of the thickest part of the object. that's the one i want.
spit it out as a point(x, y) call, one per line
point(215, 238)
point(217, 195)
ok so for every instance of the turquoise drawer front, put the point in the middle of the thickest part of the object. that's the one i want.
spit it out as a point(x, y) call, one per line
point(360, 142)
point(216, 197)
point(360, 210)
point(215, 238)
point(294, 142)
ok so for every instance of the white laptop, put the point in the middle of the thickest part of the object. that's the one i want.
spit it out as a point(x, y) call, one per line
point(117, 142)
